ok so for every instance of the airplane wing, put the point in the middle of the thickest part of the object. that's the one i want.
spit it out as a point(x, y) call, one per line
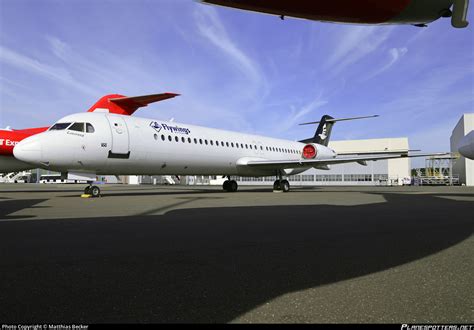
point(283, 164)
point(376, 152)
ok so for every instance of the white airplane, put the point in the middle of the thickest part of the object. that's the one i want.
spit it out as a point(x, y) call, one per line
point(101, 143)
point(466, 146)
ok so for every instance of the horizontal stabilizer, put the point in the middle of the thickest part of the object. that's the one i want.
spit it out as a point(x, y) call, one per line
point(124, 105)
point(333, 120)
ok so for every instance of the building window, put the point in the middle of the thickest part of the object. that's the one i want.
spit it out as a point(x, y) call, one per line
point(357, 177)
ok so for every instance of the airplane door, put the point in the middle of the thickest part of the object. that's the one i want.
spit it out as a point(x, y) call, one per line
point(120, 138)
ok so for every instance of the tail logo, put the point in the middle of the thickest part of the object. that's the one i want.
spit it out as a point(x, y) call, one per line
point(323, 134)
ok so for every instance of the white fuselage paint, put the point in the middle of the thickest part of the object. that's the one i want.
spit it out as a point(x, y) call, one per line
point(66, 150)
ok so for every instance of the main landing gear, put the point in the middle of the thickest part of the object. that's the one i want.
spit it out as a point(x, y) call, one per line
point(281, 185)
point(230, 185)
point(91, 191)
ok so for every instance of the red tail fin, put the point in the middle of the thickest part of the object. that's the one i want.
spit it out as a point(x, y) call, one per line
point(124, 105)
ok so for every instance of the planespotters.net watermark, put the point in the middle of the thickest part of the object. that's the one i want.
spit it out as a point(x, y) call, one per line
point(44, 326)
point(437, 327)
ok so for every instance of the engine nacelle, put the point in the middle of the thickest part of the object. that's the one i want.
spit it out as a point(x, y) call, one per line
point(317, 151)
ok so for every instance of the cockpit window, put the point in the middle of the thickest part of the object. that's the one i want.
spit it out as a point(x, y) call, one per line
point(89, 128)
point(79, 127)
point(59, 126)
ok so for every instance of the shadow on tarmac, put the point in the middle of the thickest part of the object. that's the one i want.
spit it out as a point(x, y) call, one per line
point(11, 206)
point(210, 265)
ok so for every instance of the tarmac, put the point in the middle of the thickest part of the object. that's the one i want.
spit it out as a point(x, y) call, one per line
point(196, 254)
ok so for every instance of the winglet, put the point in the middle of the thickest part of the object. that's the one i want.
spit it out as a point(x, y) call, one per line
point(123, 105)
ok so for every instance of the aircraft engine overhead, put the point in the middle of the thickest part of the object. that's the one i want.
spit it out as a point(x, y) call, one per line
point(415, 12)
point(102, 143)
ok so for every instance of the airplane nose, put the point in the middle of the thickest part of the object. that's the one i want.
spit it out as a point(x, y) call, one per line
point(28, 150)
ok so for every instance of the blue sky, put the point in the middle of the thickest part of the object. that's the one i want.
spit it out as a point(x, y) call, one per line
point(235, 70)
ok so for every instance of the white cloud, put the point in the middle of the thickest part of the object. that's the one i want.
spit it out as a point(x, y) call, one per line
point(296, 115)
point(36, 67)
point(356, 43)
point(395, 55)
point(210, 26)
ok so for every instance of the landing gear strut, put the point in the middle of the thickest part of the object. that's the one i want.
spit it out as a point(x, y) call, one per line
point(230, 185)
point(280, 184)
point(91, 191)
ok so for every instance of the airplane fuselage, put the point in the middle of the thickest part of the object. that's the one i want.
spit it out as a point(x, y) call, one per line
point(124, 145)
point(358, 11)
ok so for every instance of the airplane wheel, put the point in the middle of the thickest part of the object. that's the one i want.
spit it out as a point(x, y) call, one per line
point(94, 191)
point(233, 186)
point(226, 185)
point(87, 190)
point(276, 185)
point(285, 185)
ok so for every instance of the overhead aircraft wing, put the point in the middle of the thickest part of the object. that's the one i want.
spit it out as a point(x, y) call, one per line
point(283, 164)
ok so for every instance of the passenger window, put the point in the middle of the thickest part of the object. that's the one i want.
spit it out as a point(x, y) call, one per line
point(200, 141)
point(195, 141)
point(90, 128)
point(183, 139)
point(205, 141)
point(162, 137)
point(212, 143)
point(170, 138)
point(232, 144)
point(237, 145)
point(176, 139)
point(227, 143)
point(189, 140)
point(217, 143)
point(79, 127)
point(59, 126)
